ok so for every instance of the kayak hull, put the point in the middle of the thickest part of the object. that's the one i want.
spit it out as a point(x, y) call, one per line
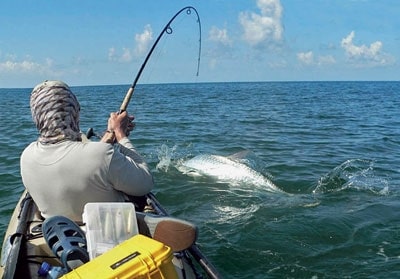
point(25, 249)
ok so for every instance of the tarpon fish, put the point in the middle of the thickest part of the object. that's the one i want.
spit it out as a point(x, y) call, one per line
point(226, 169)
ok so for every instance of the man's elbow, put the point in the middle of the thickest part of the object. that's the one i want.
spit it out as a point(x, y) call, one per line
point(147, 184)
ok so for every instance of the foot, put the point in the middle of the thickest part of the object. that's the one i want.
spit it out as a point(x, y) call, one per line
point(175, 233)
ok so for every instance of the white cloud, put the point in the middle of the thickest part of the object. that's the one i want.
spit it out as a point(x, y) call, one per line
point(142, 45)
point(327, 59)
point(264, 27)
point(143, 41)
point(111, 54)
point(25, 72)
point(371, 55)
point(126, 55)
point(307, 58)
point(220, 36)
point(26, 66)
point(278, 64)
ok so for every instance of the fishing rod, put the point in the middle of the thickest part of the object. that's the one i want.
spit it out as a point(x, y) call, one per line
point(194, 250)
point(167, 29)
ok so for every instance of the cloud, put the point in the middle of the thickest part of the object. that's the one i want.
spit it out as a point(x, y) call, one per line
point(263, 27)
point(26, 66)
point(219, 36)
point(307, 58)
point(25, 72)
point(327, 59)
point(23, 66)
point(143, 41)
point(220, 47)
point(126, 55)
point(142, 45)
point(363, 55)
point(112, 54)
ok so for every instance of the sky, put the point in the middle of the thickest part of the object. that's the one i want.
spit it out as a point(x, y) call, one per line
point(105, 42)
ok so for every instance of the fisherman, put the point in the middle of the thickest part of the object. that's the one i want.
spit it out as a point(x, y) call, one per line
point(62, 173)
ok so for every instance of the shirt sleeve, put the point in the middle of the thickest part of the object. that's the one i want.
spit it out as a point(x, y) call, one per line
point(129, 173)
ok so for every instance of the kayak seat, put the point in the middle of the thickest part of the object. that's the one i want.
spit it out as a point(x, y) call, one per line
point(66, 240)
point(175, 233)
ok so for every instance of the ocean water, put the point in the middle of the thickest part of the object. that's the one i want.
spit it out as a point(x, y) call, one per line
point(332, 147)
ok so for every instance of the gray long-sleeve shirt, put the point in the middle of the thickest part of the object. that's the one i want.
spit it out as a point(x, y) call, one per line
point(63, 177)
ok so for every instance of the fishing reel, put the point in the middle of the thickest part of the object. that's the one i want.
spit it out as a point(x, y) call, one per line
point(90, 133)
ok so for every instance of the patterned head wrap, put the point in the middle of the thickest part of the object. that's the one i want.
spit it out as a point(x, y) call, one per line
point(55, 111)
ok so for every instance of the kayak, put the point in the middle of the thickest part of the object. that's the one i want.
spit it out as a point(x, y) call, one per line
point(25, 251)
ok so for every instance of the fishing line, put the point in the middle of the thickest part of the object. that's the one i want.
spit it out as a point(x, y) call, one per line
point(165, 51)
point(168, 30)
point(156, 58)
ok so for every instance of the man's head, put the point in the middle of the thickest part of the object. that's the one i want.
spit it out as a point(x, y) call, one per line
point(55, 111)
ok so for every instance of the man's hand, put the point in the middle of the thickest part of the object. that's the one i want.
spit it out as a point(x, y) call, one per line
point(119, 126)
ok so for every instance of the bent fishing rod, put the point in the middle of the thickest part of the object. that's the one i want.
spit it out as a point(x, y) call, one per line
point(194, 250)
point(167, 29)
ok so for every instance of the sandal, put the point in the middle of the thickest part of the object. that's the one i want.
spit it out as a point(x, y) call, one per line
point(66, 240)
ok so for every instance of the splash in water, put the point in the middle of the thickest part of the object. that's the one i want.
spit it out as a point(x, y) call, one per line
point(355, 174)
